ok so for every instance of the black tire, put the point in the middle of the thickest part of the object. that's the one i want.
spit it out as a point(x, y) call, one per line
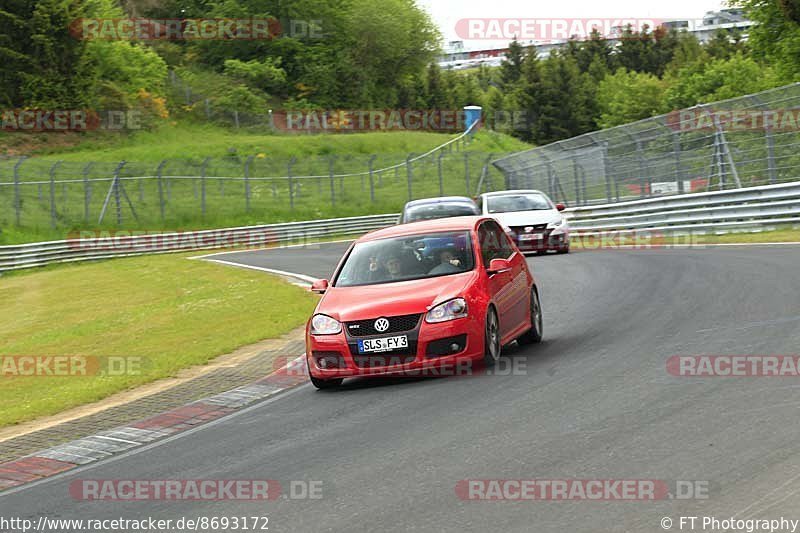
point(323, 384)
point(491, 335)
point(534, 334)
point(564, 250)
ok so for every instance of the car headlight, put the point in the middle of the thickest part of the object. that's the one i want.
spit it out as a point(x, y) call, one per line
point(325, 325)
point(449, 310)
point(555, 224)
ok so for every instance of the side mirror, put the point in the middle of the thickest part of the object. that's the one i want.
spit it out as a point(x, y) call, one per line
point(319, 286)
point(497, 266)
point(560, 207)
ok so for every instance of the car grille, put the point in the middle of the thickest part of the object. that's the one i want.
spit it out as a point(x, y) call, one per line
point(397, 324)
point(537, 228)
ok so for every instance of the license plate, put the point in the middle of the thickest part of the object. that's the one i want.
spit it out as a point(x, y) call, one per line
point(530, 237)
point(384, 344)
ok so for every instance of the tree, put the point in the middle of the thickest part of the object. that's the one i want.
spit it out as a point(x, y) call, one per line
point(775, 39)
point(626, 96)
point(511, 67)
point(718, 80)
point(43, 64)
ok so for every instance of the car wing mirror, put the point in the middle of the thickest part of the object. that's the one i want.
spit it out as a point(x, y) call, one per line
point(560, 207)
point(319, 286)
point(497, 266)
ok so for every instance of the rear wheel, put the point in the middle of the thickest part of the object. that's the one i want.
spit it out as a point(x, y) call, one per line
point(535, 333)
point(492, 348)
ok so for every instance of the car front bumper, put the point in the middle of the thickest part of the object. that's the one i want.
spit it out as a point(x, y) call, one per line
point(430, 352)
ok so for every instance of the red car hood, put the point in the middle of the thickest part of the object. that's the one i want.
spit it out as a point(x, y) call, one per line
point(391, 299)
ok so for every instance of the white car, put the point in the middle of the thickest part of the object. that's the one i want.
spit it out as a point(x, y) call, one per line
point(532, 220)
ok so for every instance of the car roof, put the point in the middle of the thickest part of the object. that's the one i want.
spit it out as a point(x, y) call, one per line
point(441, 200)
point(426, 226)
point(513, 191)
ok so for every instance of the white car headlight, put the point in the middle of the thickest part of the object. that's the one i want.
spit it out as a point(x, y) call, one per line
point(449, 310)
point(555, 224)
point(325, 325)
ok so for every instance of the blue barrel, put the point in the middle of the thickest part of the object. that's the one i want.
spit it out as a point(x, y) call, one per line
point(472, 114)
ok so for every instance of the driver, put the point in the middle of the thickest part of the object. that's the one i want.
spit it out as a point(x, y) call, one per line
point(391, 268)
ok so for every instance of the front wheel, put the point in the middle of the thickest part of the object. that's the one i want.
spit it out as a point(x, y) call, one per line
point(492, 348)
point(323, 384)
point(534, 334)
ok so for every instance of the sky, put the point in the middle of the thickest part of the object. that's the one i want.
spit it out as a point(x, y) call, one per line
point(447, 13)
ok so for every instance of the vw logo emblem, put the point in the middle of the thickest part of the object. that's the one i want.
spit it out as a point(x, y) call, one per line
point(381, 325)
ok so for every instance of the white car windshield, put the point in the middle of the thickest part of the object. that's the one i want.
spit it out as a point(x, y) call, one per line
point(517, 202)
point(405, 258)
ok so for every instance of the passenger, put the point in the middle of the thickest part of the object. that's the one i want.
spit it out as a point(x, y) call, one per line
point(448, 263)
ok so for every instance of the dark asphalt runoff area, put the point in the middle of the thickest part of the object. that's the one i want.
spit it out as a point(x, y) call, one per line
point(593, 401)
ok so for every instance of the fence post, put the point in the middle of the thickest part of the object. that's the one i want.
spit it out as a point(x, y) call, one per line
point(87, 192)
point(441, 177)
point(159, 173)
point(17, 197)
point(247, 183)
point(642, 178)
point(331, 161)
point(466, 171)
point(236, 118)
point(371, 180)
point(771, 170)
point(577, 179)
point(53, 194)
point(203, 168)
point(676, 149)
point(409, 174)
point(291, 184)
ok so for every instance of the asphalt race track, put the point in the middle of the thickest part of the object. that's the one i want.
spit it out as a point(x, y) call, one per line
point(593, 401)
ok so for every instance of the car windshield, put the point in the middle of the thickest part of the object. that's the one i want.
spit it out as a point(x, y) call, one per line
point(517, 202)
point(439, 210)
point(405, 258)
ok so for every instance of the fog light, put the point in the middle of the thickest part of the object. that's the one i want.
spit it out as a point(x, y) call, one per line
point(455, 347)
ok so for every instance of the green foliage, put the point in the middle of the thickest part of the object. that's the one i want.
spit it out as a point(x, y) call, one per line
point(626, 96)
point(776, 38)
point(718, 80)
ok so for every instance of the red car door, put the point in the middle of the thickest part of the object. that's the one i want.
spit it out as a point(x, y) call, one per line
point(495, 245)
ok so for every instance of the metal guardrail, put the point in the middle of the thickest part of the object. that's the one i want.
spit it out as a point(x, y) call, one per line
point(729, 210)
point(83, 247)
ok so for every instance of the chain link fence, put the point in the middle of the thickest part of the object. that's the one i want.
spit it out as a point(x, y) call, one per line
point(220, 192)
point(746, 141)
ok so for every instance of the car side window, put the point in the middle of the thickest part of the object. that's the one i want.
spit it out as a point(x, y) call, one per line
point(494, 242)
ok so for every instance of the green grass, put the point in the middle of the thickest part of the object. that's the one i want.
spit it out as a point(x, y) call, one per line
point(170, 311)
point(225, 203)
point(198, 141)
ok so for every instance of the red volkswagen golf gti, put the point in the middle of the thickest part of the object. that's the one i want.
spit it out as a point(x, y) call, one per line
point(426, 295)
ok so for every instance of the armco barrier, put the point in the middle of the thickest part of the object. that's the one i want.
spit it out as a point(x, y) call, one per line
point(43, 253)
point(729, 210)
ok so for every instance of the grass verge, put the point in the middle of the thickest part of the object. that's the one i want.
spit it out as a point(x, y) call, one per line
point(169, 311)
